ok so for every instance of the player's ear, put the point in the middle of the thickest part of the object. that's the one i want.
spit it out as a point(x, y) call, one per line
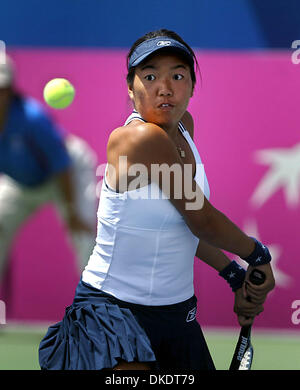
point(192, 93)
point(130, 91)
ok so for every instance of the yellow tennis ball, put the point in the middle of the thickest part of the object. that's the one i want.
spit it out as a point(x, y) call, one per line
point(59, 93)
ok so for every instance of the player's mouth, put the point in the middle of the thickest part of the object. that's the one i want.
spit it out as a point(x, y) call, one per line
point(166, 106)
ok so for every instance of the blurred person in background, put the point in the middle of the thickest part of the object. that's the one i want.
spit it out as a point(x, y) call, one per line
point(39, 164)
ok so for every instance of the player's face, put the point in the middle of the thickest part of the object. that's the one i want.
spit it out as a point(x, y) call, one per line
point(162, 88)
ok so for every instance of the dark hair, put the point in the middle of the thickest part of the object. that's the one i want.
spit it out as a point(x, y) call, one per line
point(155, 34)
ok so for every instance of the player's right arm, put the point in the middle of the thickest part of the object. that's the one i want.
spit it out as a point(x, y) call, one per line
point(152, 145)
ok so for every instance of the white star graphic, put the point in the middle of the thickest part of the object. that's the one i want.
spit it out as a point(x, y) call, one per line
point(232, 275)
point(284, 173)
point(281, 279)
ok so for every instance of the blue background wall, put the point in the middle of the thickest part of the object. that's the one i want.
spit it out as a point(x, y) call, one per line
point(209, 24)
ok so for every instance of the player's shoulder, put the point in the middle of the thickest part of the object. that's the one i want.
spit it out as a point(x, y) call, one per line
point(141, 143)
point(137, 133)
point(139, 128)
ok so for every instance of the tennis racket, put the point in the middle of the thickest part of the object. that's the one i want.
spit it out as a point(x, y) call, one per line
point(243, 354)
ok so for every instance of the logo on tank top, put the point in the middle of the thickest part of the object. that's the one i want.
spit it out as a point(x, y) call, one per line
point(191, 314)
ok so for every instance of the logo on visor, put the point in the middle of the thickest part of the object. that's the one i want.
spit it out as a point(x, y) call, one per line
point(163, 43)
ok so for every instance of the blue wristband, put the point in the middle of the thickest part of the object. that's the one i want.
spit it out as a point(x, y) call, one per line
point(234, 274)
point(259, 256)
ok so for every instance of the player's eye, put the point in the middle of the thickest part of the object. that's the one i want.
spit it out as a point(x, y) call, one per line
point(150, 77)
point(178, 76)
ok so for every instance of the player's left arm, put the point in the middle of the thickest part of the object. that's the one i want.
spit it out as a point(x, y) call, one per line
point(207, 253)
point(212, 256)
point(217, 259)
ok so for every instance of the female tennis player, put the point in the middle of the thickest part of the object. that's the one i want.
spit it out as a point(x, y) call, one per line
point(134, 307)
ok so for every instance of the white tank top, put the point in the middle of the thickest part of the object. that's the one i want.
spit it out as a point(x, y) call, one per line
point(144, 250)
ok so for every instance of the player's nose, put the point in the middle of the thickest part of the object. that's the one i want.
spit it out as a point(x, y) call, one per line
point(165, 88)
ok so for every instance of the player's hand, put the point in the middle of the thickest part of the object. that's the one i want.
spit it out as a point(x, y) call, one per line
point(245, 321)
point(258, 293)
point(246, 311)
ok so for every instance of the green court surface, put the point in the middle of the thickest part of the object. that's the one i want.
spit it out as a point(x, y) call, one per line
point(272, 351)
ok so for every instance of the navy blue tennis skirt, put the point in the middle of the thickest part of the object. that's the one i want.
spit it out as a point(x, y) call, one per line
point(99, 330)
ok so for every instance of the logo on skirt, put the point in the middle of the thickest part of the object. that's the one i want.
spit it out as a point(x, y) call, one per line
point(191, 314)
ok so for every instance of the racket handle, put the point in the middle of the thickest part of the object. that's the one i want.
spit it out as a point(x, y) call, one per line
point(256, 277)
